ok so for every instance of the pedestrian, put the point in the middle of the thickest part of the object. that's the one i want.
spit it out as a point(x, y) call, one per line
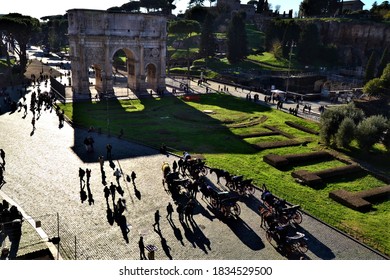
point(179, 210)
point(157, 219)
point(106, 191)
point(109, 148)
point(112, 190)
point(174, 166)
point(169, 211)
point(141, 246)
point(117, 175)
point(101, 161)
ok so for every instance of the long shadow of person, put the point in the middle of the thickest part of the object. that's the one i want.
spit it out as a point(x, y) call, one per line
point(112, 164)
point(122, 222)
point(137, 193)
point(90, 196)
point(104, 182)
point(166, 248)
point(83, 194)
point(110, 215)
point(176, 231)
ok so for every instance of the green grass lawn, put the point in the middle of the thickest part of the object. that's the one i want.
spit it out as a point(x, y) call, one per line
point(184, 126)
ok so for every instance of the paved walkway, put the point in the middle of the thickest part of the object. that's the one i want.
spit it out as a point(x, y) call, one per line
point(42, 178)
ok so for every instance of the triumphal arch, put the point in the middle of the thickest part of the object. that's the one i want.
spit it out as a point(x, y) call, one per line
point(94, 38)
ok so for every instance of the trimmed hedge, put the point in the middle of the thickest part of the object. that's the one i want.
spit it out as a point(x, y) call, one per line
point(250, 123)
point(316, 179)
point(281, 132)
point(361, 201)
point(258, 134)
point(301, 127)
point(278, 144)
point(286, 160)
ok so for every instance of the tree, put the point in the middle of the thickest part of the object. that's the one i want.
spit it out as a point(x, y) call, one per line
point(193, 3)
point(332, 118)
point(17, 31)
point(308, 44)
point(309, 8)
point(345, 133)
point(370, 67)
point(379, 86)
point(370, 131)
point(197, 13)
point(207, 39)
point(184, 29)
point(385, 59)
point(237, 43)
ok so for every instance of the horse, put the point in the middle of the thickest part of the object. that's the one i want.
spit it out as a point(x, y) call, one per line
point(219, 172)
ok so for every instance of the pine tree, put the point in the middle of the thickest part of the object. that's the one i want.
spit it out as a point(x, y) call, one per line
point(384, 60)
point(207, 40)
point(237, 43)
point(370, 68)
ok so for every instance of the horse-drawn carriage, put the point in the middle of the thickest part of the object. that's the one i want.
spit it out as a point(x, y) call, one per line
point(224, 201)
point(241, 185)
point(195, 167)
point(173, 179)
point(274, 209)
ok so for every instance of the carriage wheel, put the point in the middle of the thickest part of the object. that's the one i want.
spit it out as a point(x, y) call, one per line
point(213, 202)
point(236, 209)
point(302, 246)
point(250, 189)
point(297, 217)
point(204, 171)
point(268, 236)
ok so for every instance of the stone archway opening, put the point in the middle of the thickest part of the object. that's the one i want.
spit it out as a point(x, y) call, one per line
point(151, 76)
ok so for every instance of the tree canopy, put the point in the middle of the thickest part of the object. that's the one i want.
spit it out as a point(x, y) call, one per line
point(17, 30)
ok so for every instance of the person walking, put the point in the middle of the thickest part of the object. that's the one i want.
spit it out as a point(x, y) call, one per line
point(169, 211)
point(101, 161)
point(179, 210)
point(141, 246)
point(109, 149)
point(157, 220)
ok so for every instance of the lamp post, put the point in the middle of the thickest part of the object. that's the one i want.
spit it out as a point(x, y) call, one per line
point(292, 45)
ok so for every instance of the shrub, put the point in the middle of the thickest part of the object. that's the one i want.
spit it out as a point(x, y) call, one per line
point(370, 131)
point(345, 133)
point(332, 118)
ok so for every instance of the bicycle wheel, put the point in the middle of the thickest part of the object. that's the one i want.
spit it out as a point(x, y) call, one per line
point(297, 217)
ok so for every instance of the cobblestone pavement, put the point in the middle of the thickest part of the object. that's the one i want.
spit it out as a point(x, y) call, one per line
point(42, 178)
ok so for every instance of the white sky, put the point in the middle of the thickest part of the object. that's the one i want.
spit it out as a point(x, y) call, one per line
point(40, 8)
